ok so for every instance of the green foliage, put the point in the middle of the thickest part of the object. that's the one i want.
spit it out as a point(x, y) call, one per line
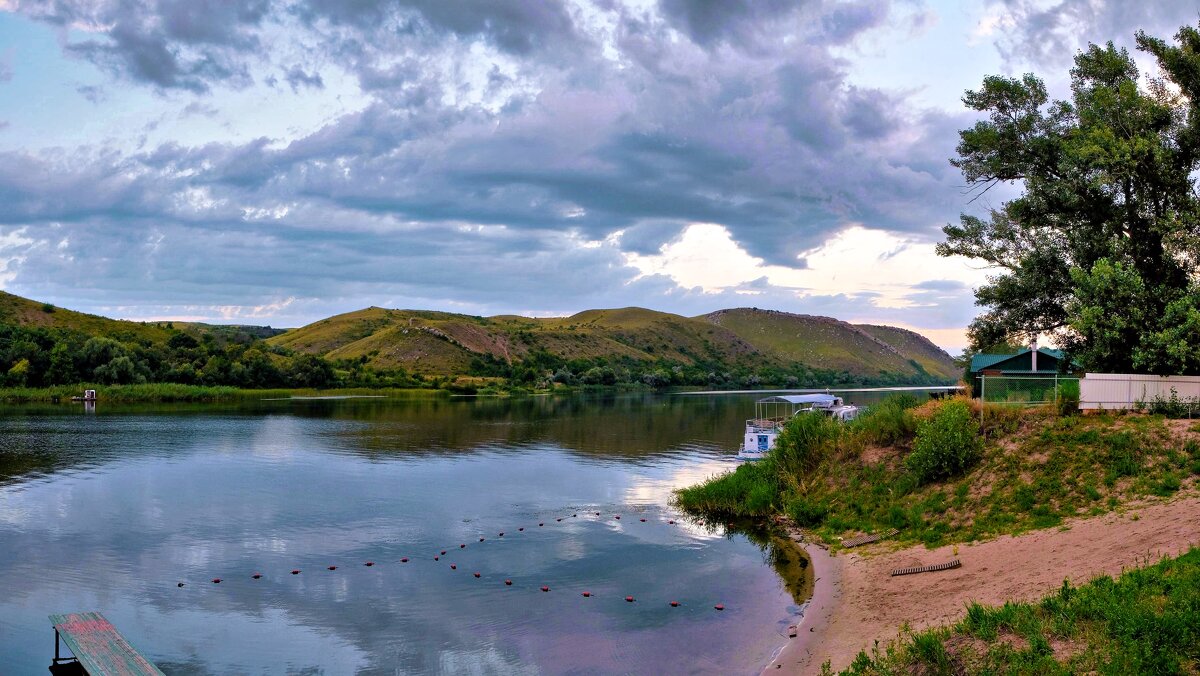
point(889, 422)
point(1147, 621)
point(750, 490)
point(804, 442)
point(1099, 249)
point(946, 445)
point(1067, 397)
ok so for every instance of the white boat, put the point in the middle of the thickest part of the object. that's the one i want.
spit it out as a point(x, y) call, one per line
point(772, 413)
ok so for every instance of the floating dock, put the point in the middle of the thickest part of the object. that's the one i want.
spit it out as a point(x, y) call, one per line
point(97, 648)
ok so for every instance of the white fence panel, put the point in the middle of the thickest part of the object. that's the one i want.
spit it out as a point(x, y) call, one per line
point(1127, 390)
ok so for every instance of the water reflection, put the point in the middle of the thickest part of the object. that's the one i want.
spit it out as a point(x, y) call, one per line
point(110, 511)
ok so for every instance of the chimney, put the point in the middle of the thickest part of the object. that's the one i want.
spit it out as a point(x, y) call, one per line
point(1033, 352)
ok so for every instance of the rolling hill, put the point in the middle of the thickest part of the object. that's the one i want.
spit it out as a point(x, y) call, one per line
point(437, 343)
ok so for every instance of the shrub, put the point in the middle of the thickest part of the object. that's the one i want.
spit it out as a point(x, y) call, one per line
point(1068, 397)
point(947, 444)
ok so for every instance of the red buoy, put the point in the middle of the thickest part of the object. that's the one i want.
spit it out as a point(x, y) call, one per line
point(501, 533)
point(541, 524)
point(559, 519)
point(443, 552)
point(597, 513)
point(642, 520)
point(674, 604)
point(629, 599)
point(463, 546)
point(256, 576)
point(435, 558)
point(508, 583)
point(521, 528)
point(296, 571)
point(333, 568)
point(481, 539)
point(586, 594)
point(720, 606)
point(545, 588)
point(179, 584)
point(404, 560)
point(453, 567)
point(476, 574)
point(617, 517)
point(672, 522)
point(369, 564)
point(216, 580)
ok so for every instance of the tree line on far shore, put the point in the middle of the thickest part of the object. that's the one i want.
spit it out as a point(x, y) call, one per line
point(44, 357)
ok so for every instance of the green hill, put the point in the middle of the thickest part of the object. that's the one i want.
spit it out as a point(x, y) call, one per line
point(30, 313)
point(746, 340)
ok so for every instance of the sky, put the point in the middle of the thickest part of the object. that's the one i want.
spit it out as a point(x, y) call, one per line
point(279, 161)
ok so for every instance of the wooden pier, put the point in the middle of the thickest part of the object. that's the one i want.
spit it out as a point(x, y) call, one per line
point(97, 648)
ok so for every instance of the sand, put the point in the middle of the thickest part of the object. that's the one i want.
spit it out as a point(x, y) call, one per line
point(856, 602)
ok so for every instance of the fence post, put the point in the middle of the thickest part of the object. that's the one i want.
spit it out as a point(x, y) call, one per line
point(982, 401)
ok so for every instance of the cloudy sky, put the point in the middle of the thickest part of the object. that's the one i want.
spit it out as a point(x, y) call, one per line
point(278, 161)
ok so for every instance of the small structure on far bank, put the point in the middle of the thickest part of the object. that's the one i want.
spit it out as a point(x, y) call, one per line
point(88, 395)
point(1030, 362)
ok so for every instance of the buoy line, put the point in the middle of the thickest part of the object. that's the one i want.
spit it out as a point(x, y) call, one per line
point(478, 575)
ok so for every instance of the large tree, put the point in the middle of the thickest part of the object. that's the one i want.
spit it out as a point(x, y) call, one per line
point(1101, 247)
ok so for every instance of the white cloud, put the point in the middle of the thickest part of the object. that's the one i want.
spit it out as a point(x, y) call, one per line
point(858, 261)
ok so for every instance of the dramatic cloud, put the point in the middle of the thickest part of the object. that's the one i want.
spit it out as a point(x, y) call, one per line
point(494, 157)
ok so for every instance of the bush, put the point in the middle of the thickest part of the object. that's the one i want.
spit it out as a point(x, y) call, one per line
point(1068, 397)
point(947, 444)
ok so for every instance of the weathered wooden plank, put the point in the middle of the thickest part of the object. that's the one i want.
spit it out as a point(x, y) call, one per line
point(99, 647)
point(867, 539)
point(927, 569)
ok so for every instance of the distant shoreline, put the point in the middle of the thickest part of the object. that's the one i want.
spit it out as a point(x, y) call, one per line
point(178, 393)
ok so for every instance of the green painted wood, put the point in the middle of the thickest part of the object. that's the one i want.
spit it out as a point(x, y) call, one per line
point(99, 647)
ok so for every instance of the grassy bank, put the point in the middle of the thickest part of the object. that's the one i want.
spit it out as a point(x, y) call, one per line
point(1147, 621)
point(169, 392)
point(930, 471)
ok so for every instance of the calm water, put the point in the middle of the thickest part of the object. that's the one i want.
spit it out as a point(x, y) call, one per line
point(110, 511)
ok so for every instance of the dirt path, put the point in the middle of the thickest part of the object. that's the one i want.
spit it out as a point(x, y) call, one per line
point(862, 603)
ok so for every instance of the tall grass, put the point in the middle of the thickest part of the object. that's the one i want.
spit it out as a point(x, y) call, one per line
point(889, 422)
point(752, 490)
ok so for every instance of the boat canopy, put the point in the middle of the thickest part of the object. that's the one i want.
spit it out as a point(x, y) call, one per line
point(827, 399)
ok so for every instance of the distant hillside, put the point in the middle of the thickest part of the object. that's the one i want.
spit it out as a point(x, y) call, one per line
point(31, 313)
point(746, 340)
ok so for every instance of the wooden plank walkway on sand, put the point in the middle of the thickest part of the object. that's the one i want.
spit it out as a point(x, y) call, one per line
point(100, 649)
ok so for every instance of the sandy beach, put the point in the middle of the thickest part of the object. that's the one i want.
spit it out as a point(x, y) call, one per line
point(856, 602)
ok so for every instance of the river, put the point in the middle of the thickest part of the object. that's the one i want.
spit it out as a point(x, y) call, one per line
point(113, 510)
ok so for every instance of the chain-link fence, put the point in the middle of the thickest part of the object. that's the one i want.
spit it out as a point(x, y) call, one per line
point(1031, 390)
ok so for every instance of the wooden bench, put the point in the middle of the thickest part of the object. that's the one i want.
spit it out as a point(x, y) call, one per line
point(98, 648)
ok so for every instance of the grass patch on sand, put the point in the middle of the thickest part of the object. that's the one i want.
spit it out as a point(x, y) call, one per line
point(932, 472)
point(1147, 621)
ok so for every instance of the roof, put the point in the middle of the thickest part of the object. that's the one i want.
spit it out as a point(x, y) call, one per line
point(980, 362)
point(800, 399)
